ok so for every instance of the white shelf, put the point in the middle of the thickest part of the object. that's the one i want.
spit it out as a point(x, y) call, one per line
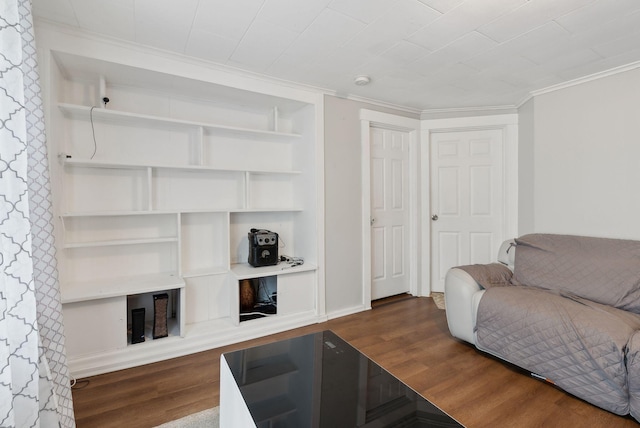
point(109, 243)
point(117, 287)
point(83, 112)
point(214, 270)
point(116, 213)
point(181, 211)
point(246, 271)
point(265, 210)
point(87, 163)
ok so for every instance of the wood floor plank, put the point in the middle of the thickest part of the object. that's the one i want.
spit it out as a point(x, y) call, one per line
point(407, 336)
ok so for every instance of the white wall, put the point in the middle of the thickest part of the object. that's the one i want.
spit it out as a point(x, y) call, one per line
point(585, 159)
point(343, 202)
point(526, 170)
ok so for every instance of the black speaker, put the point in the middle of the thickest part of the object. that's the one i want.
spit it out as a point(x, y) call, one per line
point(160, 303)
point(137, 325)
point(263, 248)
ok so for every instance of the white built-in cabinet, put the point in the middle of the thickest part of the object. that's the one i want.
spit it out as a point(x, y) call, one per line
point(156, 191)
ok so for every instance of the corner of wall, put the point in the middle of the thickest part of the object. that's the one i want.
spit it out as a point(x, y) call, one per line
point(526, 167)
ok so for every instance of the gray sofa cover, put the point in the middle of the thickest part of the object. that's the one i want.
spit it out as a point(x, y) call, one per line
point(571, 315)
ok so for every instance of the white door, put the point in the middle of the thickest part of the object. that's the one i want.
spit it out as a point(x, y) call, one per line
point(389, 212)
point(466, 200)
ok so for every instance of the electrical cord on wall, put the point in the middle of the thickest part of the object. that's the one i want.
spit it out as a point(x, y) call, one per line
point(93, 132)
point(105, 100)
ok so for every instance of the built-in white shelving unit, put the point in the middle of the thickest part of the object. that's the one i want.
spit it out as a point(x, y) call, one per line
point(155, 193)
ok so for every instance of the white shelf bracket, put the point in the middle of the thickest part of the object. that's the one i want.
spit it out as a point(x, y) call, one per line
point(276, 119)
point(179, 268)
point(149, 189)
point(102, 92)
point(247, 189)
point(64, 229)
point(198, 147)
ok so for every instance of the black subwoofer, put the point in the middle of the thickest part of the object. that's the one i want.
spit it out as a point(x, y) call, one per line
point(137, 325)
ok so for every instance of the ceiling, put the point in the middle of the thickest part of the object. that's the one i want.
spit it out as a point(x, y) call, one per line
point(420, 54)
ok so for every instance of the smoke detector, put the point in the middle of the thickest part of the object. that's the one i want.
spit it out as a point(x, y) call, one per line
point(362, 80)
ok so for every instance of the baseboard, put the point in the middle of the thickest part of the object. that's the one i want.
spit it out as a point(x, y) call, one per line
point(347, 311)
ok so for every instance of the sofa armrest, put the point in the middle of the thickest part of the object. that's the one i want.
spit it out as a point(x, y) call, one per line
point(459, 291)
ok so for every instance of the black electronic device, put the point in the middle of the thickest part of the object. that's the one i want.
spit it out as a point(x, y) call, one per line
point(137, 325)
point(263, 248)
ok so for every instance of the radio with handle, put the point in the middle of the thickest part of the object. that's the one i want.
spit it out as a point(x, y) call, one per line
point(263, 247)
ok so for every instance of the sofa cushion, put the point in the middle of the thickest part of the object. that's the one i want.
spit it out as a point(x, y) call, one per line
point(603, 270)
point(489, 275)
point(633, 373)
point(576, 344)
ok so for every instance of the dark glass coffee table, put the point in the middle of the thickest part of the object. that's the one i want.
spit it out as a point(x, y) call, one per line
point(317, 380)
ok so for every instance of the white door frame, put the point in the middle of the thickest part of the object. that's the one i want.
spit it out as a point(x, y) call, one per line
point(508, 124)
point(369, 118)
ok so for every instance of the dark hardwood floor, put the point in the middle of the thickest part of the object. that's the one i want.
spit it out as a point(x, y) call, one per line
point(407, 336)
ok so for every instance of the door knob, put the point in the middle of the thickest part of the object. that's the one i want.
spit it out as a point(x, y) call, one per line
point(373, 220)
point(434, 217)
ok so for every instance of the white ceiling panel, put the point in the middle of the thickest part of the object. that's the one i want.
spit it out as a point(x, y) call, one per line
point(537, 43)
point(454, 55)
point(596, 13)
point(60, 11)
point(164, 23)
point(467, 46)
point(621, 45)
point(514, 70)
point(442, 6)
point(610, 30)
point(392, 27)
point(294, 15)
point(404, 52)
point(262, 45)
point(229, 19)
point(422, 54)
point(169, 12)
point(328, 32)
point(570, 61)
point(339, 64)
point(379, 66)
point(608, 63)
point(115, 19)
point(343, 60)
point(365, 11)
point(528, 16)
point(466, 17)
point(405, 18)
point(210, 46)
point(455, 75)
point(152, 33)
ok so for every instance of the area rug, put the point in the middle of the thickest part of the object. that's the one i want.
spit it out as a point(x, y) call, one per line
point(438, 299)
point(209, 418)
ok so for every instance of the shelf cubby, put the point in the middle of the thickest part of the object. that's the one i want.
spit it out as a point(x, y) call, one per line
point(146, 301)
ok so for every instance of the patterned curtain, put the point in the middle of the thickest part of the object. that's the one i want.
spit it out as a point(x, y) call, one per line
point(34, 377)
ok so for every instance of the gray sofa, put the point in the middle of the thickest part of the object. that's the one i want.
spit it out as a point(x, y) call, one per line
point(566, 308)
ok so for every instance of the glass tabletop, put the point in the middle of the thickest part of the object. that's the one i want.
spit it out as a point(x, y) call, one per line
point(319, 380)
